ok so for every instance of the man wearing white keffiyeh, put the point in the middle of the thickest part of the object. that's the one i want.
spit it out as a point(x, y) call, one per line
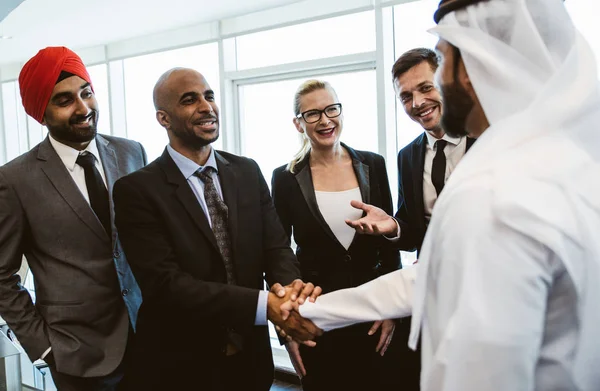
point(509, 279)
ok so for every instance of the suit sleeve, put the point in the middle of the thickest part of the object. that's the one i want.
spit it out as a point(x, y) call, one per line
point(282, 265)
point(157, 271)
point(16, 306)
point(280, 200)
point(408, 237)
point(144, 156)
point(388, 252)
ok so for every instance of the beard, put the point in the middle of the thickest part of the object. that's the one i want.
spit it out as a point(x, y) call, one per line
point(195, 142)
point(457, 106)
point(75, 135)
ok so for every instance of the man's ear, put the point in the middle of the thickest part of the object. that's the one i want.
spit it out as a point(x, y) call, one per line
point(163, 119)
point(298, 125)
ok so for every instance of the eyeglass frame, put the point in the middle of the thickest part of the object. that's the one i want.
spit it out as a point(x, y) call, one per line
point(321, 112)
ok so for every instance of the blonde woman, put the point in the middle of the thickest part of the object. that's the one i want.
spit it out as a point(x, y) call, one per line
point(312, 196)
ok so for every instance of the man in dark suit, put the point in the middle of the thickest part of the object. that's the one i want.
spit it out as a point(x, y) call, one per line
point(425, 164)
point(201, 233)
point(55, 209)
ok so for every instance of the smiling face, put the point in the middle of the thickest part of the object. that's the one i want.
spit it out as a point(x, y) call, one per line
point(72, 113)
point(420, 99)
point(325, 133)
point(186, 107)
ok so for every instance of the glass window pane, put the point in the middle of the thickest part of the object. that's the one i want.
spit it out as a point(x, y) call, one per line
point(584, 14)
point(331, 37)
point(99, 76)
point(15, 121)
point(261, 130)
point(411, 22)
point(141, 73)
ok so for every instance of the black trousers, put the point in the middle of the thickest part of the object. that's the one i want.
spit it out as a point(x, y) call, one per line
point(345, 359)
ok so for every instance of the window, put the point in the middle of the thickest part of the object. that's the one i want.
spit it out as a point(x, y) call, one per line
point(331, 37)
point(15, 121)
point(411, 21)
point(99, 76)
point(583, 13)
point(141, 73)
point(266, 114)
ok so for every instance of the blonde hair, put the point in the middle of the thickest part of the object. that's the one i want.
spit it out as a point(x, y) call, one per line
point(306, 88)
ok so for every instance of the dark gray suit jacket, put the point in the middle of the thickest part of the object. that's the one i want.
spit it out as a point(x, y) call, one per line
point(85, 292)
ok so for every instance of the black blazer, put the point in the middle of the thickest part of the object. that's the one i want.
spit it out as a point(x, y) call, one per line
point(323, 260)
point(411, 207)
point(172, 250)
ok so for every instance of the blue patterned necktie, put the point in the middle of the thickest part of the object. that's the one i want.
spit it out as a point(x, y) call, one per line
point(219, 213)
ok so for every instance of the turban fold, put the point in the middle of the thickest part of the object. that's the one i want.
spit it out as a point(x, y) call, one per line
point(40, 74)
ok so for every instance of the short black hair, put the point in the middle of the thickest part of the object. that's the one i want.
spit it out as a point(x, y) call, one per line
point(413, 58)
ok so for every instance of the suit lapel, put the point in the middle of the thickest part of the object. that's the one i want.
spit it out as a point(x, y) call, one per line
point(110, 164)
point(186, 196)
point(60, 178)
point(229, 186)
point(362, 174)
point(419, 159)
point(470, 142)
point(304, 179)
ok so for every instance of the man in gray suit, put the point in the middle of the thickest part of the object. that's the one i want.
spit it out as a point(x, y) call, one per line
point(56, 209)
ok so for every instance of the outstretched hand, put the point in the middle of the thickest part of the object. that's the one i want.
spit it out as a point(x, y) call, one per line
point(375, 222)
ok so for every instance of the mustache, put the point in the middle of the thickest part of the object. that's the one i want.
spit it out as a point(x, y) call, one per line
point(206, 117)
point(82, 118)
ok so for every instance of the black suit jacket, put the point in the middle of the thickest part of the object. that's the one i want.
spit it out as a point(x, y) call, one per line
point(411, 207)
point(323, 260)
point(174, 256)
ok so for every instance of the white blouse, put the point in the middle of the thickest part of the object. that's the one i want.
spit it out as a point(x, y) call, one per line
point(335, 208)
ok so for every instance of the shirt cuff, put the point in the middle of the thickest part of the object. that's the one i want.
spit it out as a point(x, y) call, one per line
point(393, 239)
point(43, 356)
point(261, 309)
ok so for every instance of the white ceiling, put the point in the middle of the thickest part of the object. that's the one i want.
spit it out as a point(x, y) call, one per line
point(78, 24)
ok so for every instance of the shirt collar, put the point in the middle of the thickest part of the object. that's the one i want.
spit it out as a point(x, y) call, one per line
point(189, 167)
point(452, 140)
point(69, 155)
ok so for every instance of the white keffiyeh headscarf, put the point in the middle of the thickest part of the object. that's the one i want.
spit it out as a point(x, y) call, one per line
point(536, 79)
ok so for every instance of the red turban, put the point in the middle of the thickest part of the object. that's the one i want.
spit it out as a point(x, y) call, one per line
point(40, 74)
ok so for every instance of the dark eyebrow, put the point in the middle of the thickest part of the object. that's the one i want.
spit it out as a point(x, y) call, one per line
point(68, 94)
point(209, 92)
point(188, 95)
point(60, 95)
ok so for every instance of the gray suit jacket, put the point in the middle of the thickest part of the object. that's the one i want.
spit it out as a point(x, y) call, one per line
point(86, 294)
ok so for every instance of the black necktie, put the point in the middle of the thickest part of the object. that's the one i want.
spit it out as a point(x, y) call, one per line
point(438, 170)
point(96, 190)
point(219, 213)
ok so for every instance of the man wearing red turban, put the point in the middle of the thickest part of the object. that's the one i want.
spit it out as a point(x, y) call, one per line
point(56, 210)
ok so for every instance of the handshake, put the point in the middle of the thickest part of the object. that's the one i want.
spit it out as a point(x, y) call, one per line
point(282, 311)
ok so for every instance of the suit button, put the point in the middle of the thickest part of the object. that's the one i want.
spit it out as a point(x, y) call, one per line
point(125, 292)
point(116, 254)
point(347, 258)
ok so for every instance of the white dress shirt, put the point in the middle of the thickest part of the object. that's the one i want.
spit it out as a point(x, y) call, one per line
point(454, 151)
point(69, 155)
